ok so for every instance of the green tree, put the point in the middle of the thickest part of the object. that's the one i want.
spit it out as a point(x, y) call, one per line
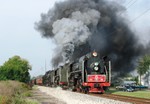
point(143, 66)
point(15, 68)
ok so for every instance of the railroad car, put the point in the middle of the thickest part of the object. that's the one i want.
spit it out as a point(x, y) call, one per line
point(90, 73)
point(39, 81)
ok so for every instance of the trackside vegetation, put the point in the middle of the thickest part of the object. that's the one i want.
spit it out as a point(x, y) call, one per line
point(14, 92)
point(14, 76)
point(144, 65)
point(16, 68)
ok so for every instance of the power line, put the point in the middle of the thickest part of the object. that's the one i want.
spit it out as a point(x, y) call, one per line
point(129, 2)
point(132, 4)
point(140, 15)
point(135, 18)
point(126, 9)
point(128, 6)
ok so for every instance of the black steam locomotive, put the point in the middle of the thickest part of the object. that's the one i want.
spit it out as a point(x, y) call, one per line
point(90, 73)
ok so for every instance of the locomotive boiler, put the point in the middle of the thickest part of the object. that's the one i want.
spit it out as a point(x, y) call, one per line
point(90, 73)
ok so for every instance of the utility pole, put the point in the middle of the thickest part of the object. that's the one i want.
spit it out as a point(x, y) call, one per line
point(45, 65)
point(149, 77)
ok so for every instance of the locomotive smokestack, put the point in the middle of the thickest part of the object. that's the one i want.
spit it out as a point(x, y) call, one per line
point(80, 26)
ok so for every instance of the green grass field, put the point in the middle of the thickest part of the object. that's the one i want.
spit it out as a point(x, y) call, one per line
point(139, 94)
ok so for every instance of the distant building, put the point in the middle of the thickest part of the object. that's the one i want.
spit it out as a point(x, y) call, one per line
point(129, 82)
point(145, 79)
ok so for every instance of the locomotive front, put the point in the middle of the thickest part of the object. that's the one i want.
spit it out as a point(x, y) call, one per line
point(96, 73)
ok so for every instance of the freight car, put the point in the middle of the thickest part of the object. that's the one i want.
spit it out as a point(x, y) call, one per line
point(36, 81)
point(90, 73)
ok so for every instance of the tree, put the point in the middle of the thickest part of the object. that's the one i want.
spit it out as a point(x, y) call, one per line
point(15, 68)
point(143, 66)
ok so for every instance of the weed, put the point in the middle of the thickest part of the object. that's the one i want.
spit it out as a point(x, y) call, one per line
point(14, 92)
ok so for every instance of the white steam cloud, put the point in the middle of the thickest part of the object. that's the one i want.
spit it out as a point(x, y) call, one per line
point(73, 31)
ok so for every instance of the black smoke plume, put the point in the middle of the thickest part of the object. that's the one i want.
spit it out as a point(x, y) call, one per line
point(81, 26)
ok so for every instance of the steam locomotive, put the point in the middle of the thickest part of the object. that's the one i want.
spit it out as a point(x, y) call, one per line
point(90, 73)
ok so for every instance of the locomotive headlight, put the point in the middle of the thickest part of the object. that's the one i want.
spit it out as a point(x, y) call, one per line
point(96, 68)
point(96, 64)
point(94, 54)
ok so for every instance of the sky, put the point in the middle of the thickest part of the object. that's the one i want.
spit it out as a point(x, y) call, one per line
point(18, 36)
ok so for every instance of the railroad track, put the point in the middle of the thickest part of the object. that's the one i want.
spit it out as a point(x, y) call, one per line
point(133, 100)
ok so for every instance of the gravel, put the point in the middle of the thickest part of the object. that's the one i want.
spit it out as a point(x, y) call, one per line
point(77, 98)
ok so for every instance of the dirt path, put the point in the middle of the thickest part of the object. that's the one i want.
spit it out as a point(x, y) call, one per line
point(43, 98)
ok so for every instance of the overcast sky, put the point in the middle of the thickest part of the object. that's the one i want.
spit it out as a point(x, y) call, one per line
point(18, 36)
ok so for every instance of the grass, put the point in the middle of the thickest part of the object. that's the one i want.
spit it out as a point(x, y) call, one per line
point(138, 94)
point(13, 92)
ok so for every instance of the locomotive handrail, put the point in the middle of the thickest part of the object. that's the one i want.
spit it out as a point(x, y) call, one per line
point(109, 71)
point(106, 71)
point(75, 71)
point(56, 76)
